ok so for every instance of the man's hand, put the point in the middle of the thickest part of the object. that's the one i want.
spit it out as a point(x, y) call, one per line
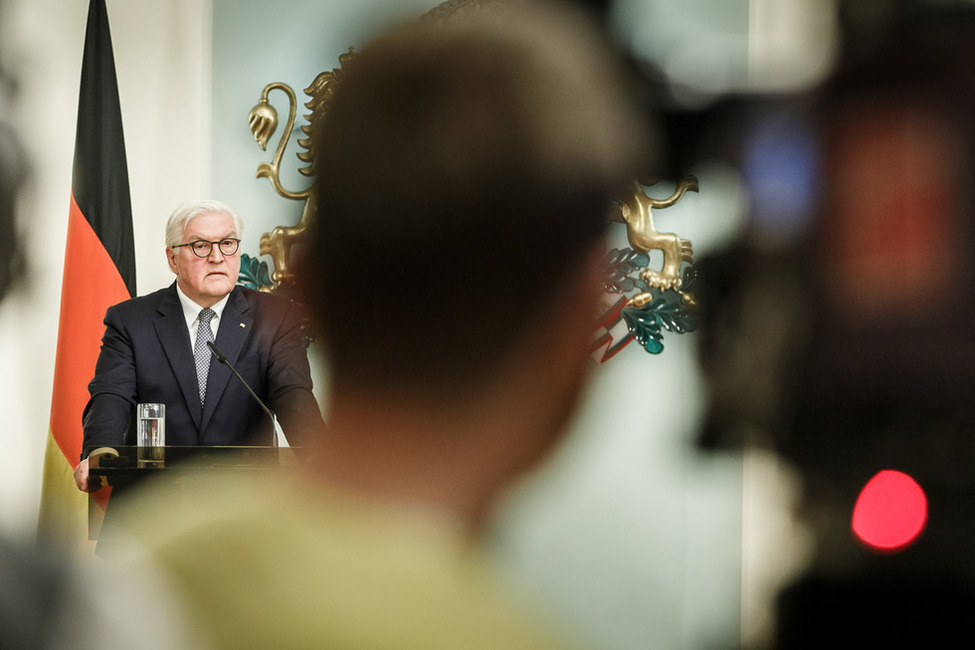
point(81, 477)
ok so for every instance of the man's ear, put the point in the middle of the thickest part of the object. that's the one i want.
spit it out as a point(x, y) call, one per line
point(171, 258)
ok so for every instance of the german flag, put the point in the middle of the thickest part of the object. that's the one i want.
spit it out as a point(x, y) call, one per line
point(99, 271)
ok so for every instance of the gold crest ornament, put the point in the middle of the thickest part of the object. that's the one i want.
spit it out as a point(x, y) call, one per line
point(644, 237)
point(263, 120)
point(642, 302)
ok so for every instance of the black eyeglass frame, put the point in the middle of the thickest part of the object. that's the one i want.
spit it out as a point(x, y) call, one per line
point(210, 244)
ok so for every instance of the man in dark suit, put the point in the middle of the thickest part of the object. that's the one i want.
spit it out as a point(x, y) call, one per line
point(154, 349)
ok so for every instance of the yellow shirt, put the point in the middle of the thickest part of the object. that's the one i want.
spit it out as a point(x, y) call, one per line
point(268, 563)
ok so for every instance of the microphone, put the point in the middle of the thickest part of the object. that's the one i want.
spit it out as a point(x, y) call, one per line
point(278, 432)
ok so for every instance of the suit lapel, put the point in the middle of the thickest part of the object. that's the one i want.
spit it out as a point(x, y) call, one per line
point(236, 324)
point(174, 338)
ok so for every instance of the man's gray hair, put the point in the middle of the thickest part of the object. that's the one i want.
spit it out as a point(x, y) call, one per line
point(189, 210)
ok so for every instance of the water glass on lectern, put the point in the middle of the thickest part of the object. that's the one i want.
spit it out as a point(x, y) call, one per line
point(151, 436)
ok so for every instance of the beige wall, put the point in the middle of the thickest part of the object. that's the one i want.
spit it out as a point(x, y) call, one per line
point(162, 53)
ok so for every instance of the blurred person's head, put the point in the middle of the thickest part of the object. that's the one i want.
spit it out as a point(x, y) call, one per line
point(466, 174)
point(467, 169)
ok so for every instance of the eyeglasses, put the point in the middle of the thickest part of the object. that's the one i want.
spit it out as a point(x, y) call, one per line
point(202, 248)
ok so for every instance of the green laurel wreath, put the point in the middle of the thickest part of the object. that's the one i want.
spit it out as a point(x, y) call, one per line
point(254, 273)
point(666, 312)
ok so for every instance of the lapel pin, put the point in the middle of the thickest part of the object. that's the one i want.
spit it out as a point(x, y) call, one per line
point(242, 325)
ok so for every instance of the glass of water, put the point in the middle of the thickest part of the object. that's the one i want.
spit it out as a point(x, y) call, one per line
point(151, 438)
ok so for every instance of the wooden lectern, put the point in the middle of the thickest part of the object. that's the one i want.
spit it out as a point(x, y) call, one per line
point(181, 469)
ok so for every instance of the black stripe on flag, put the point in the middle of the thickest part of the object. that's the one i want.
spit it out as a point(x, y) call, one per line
point(100, 182)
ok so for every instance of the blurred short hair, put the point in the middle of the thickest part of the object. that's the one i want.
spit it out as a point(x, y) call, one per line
point(466, 167)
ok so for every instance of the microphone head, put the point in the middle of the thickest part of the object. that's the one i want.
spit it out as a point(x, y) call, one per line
point(217, 353)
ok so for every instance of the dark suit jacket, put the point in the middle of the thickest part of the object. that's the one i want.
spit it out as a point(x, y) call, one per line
point(146, 356)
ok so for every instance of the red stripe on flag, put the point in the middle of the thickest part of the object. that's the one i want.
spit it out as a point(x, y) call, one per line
point(90, 286)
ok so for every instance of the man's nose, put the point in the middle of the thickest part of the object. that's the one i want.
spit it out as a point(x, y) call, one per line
point(216, 255)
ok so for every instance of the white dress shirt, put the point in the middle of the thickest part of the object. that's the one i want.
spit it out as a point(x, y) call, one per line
point(191, 312)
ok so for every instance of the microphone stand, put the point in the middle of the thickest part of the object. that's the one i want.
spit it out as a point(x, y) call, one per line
point(277, 437)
